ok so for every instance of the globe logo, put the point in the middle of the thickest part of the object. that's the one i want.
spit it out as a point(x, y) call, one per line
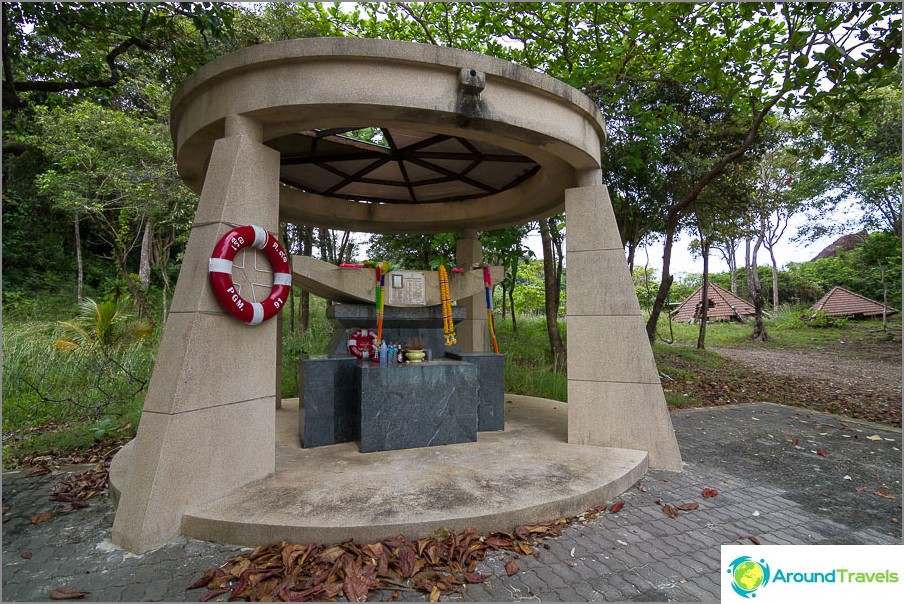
point(748, 575)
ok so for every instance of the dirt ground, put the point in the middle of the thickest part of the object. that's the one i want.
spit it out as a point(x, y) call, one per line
point(857, 377)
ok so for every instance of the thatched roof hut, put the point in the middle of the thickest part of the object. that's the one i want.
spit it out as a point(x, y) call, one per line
point(723, 306)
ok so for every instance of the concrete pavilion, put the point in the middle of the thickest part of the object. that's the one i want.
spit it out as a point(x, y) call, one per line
point(470, 143)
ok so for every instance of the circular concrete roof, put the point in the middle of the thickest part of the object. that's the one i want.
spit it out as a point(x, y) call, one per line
point(454, 139)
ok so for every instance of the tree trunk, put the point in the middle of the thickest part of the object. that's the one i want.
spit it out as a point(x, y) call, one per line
point(753, 286)
point(704, 302)
point(663, 292)
point(292, 310)
point(161, 254)
point(141, 303)
point(731, 257)
point(511, 294)
point(80, 278)
point(144, 263)
point(552, 295)
point(504, 300)
point(632, 248)
point(884, 298)
point(307, 246)
point(774, 279)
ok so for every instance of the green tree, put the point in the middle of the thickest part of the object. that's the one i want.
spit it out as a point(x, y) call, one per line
point(416, 252)
point(114, 170)
point(506, 247)
point(56, 52)
point(864, 162)
point(882, 253)
point(753, 57)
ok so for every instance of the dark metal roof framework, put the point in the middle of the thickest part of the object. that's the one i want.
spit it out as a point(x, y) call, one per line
point(408, 167)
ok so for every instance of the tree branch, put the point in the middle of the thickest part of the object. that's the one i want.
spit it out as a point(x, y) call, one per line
point(419, 21)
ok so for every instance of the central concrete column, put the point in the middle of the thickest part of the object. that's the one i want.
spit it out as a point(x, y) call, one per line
point(208, 424)
point(614, 395)
point(472, 334)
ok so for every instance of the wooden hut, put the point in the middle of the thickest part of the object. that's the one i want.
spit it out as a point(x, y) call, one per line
point(723, 306)
point(840, 302)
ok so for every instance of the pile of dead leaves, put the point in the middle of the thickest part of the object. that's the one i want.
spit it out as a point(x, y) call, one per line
point(300, 573)
point(101, 451)
point(77, 489)
point(435, 565)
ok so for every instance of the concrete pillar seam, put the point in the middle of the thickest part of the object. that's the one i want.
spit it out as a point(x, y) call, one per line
point(187, 411)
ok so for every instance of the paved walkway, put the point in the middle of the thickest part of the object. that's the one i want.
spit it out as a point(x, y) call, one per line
point(784, 476)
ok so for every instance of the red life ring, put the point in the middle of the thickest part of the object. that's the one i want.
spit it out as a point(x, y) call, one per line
point(361, 340)
point(220, 269)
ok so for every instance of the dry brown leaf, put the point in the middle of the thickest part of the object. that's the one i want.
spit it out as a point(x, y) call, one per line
point(434, 594)
point(524, 548)
point(754, 540)
point(616, 507)
point(26, 555)
point(406, 562)
point(331, 554)
point(67, 593)
point(511, 567)
point(670, 510)
point(473, 577)
point(41, 518)
point(238, 569)
point(707, 493)
point(885, 495)
point(687, 507)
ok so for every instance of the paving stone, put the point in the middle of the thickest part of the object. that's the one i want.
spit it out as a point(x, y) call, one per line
point(661, 552)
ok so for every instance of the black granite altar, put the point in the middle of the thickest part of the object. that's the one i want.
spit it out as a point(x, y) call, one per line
point(328, 392)
point(399, 325)
point(491, 390)
point(443, 401)
point(416, 404)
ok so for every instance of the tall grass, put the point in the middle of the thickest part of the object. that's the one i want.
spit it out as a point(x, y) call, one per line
point(297, 344)
point(784, 325)
point(42, 385)
point(529, 369)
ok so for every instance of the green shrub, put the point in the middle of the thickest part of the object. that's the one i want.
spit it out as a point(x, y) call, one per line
point(820, 320)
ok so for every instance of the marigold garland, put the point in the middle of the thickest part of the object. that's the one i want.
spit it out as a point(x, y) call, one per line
point(446, 298)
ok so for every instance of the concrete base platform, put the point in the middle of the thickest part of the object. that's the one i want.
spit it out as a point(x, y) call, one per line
point(527, 473)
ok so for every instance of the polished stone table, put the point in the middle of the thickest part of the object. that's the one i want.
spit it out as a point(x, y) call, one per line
point(403, 406)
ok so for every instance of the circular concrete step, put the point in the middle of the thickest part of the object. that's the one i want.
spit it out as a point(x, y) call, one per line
point(525, 474)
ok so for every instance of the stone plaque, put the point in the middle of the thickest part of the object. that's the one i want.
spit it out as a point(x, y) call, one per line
point(405, 288)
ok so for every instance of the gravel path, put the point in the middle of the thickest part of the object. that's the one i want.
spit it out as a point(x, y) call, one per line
point(840, 372)
point(836, 381)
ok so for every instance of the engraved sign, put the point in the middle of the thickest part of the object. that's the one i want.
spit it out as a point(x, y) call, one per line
point(406, 288)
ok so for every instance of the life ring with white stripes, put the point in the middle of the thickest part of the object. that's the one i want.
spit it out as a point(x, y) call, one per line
point(220, 269)
point(362, 340)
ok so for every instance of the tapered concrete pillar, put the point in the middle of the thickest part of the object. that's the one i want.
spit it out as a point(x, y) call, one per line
point(472, 334)
point(208, 424)
point(614, 395)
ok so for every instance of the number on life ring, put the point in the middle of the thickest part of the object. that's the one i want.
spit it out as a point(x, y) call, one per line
point(220, 270)
point(362, 340)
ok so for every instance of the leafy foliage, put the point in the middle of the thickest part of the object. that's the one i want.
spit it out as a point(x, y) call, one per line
point(104, 372)
point(53, 52)
point(106, 326)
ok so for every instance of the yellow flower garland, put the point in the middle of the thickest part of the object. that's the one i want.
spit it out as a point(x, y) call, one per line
point(446, 298)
